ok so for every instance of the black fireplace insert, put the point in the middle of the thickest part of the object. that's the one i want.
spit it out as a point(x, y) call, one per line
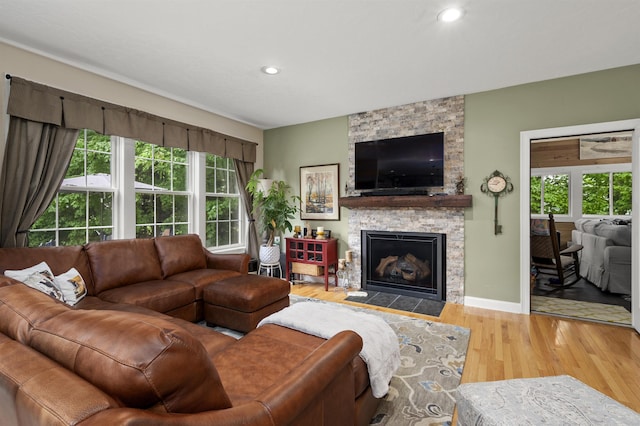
point(408, 263)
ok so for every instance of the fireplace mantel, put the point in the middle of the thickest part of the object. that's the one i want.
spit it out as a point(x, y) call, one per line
point(406, 201)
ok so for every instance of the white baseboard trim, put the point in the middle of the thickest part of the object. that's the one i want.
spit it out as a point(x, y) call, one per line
point(496, 305)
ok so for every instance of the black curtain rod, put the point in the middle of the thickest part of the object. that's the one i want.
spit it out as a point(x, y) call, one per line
point(8, 76)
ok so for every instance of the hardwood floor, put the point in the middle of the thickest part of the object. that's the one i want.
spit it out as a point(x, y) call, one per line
point(506, 346)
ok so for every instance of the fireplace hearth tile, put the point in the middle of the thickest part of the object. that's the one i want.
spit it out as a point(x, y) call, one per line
point(383, 299)
point(401, 303)
point(405, 303)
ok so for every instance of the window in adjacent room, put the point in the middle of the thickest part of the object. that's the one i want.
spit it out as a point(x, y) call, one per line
point(550, 194)
point(606, 194)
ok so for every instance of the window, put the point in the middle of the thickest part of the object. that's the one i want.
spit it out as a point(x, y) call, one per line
point(83, 209)
point(550, 194)
point(577, 191)
point(222, 202)
point(121, 188)
point(606, 194)
point(162, 200)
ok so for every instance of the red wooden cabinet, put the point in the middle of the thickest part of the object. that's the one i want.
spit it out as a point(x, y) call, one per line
point(312, 257)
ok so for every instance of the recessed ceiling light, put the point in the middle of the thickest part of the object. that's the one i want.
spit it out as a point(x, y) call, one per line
point(271, 70)
point(451, 14)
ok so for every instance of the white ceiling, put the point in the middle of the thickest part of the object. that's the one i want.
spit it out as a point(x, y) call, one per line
point(337, 56)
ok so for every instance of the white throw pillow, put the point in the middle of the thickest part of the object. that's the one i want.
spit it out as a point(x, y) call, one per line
point(72, 286)
point(38, 277)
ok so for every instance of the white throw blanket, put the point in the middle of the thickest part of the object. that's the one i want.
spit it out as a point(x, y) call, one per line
point(380, 349)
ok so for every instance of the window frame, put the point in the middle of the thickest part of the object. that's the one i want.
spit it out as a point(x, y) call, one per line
point(241, 211)
point(575, 188)
point(82, 189)
point(124, 196)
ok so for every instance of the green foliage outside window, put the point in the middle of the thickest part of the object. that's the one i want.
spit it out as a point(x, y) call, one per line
point(622, 193)
point(76, 217)
point(595, 194)
point(603, 194)
point(556, 194)
point(222, 202)
point(161, 170)
point(536, 195)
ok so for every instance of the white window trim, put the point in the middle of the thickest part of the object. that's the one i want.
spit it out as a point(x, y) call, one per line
point(575, 187)
point(124, 195)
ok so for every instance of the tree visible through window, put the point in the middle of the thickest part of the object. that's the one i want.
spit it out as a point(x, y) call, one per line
point(596, 192)
point(162, 200)
point(550, 194)
point(606, 194)
point(83, 209)
point(222, 202)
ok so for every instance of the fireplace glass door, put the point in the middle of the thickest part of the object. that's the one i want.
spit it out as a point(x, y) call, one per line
point(408, 263)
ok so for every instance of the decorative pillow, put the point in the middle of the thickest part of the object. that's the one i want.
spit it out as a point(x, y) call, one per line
point(72, 286)
point(38, 277)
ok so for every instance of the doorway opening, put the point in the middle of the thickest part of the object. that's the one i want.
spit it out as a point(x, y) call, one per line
point(554, 155)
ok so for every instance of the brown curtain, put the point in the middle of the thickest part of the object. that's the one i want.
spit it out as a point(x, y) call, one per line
point(244, 171)
point(36, 159)
point(37, 102)
point(41, 142)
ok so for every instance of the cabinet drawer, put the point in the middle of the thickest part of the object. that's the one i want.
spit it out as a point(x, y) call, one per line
point(307, 269)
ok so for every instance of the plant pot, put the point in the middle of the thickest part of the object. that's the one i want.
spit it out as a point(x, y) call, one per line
point(269, 254)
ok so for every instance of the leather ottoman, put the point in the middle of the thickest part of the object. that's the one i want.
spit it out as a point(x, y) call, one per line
point(239, 303)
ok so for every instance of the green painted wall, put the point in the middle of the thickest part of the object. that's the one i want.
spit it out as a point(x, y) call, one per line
point(493, 122)
point(320, 142)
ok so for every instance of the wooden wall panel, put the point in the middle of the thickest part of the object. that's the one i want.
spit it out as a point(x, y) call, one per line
point(565, 229)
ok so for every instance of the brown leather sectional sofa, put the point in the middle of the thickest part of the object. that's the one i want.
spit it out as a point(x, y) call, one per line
point(128, 353)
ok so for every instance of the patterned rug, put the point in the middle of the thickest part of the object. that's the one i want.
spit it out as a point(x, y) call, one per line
point(599, 312)
point(422, 391)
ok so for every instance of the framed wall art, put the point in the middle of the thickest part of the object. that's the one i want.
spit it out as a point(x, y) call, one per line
point(319, 192)
point(609, 145)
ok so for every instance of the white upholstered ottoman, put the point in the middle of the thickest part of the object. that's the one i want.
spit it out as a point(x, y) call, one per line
point(556, 400)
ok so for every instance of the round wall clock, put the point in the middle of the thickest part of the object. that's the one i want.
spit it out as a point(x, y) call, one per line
point(496, 185)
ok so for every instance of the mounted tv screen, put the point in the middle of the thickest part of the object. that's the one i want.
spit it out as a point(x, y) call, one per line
point(411, 162)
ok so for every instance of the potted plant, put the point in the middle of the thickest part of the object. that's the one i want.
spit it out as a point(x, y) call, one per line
point(274, 207)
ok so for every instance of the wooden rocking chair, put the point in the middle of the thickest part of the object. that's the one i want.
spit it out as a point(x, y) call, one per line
point(548, 259)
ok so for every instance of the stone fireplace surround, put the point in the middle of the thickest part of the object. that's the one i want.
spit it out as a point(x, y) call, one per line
point(439, 115)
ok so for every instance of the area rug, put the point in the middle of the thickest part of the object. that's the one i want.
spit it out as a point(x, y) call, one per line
point(600, 312)
point(422, 391)
point(401, 303)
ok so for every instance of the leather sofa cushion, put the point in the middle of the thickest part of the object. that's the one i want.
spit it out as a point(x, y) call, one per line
point(39, 391)
point(22, 308)
point(180, 253)
point(266, 355)
point(118, 263)
point(158, 295)
point(59, 259)
point(247, 293)
point(141, 361)
point(202, 278)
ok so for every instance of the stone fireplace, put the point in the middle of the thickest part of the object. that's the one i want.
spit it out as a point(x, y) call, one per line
point(408, 263)
point(440, 115)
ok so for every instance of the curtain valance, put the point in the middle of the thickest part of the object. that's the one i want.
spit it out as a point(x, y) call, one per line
point(37, 102)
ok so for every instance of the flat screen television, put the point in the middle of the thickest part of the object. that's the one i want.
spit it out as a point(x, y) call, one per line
point(402, 165)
